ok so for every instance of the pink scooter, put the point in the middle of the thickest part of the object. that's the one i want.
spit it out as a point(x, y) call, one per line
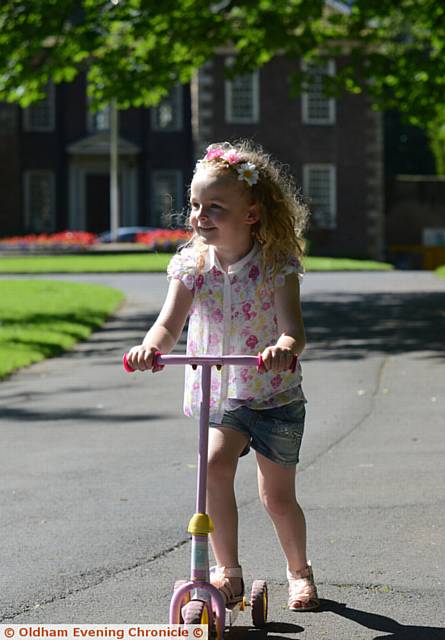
point(197, 601)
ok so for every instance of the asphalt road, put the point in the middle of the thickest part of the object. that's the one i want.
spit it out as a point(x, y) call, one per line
point(97, 474)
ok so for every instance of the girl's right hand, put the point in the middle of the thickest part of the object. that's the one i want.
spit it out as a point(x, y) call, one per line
point(141, 357)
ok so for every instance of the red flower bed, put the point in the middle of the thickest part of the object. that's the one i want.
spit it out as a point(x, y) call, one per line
point(158, 240)
point(70, 238)
point(163, 240)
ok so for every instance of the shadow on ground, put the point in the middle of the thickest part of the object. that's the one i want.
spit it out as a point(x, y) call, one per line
point(338, 326)
point(86, 416)
point(121, 333)
point(352, 326)
point(391, 629)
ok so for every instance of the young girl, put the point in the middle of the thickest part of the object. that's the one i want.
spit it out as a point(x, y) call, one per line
point(238, 280)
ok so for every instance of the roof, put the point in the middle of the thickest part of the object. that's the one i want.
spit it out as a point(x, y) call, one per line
point(99, 144)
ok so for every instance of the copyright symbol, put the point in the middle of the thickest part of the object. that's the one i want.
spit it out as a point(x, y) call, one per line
point(198, 633)
point(9, 633)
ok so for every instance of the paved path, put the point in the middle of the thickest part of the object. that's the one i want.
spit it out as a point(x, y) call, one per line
point(97, 474)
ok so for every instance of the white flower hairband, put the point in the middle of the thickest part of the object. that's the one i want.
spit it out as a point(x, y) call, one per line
point(224, 152)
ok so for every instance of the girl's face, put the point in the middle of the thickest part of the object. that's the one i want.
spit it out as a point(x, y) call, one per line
point(222, 211)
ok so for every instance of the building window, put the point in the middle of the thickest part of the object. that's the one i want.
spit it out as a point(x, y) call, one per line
point(8, 119)
point(41, 115)
point(167, 198)
point(433, 237)
point(40, 201)
point(320, 187)
point(167, 116)
point(242, 99)
point(317, 108)
point(98, 120)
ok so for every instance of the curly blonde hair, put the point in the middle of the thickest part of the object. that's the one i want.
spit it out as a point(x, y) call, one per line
point(283, 214)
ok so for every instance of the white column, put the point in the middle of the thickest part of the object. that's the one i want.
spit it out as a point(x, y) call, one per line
point(114, 170)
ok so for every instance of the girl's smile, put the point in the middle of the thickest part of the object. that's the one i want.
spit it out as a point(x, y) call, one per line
point(222, 214)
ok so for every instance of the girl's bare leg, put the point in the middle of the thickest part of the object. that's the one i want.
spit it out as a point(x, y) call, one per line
point(276, 485)
point(225, 446)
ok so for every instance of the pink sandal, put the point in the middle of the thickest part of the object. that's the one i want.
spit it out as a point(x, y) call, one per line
point(302, 590)
point(220, 578)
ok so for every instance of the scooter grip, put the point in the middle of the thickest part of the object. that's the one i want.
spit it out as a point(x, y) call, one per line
point(292, 368)
point(128, 368)
point(156, 367)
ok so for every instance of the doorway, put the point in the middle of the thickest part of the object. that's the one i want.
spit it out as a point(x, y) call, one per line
point(98, 201)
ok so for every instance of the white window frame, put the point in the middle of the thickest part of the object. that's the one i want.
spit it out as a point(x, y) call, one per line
point(329, 221)
point(255, 111)
point(178, 197)
point(433, 237)
point(29, 213)
point(28, 125)
point(305, 99)
point(176, 96)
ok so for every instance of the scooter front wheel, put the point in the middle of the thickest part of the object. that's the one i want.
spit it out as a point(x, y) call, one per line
point(259, 603)
point(196, 612)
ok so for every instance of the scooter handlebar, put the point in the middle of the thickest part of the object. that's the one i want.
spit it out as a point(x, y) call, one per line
point(219, 361)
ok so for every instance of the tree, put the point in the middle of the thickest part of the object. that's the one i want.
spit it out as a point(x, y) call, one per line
point(436, 136)
point(136, 50)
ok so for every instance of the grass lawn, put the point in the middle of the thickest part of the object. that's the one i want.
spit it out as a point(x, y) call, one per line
point(43, 318)
point(441, 271)
point(344, 264)
point(149, 262)
point(85, 263)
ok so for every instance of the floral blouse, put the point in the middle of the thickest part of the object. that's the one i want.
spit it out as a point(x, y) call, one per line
point(233, 313)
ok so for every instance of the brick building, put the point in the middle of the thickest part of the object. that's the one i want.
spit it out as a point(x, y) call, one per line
point(54, 162)
point(54, 157)
point(334, 147)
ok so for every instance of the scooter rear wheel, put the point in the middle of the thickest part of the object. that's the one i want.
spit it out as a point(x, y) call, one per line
point(259, 603)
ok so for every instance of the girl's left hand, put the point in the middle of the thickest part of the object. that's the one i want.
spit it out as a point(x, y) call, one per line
point(277, 358)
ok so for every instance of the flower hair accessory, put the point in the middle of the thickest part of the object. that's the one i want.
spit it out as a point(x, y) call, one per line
point(224, 153)
point(248, 172)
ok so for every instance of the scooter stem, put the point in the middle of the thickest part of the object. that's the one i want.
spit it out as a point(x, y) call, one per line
point(203, 439)
point(200, 525)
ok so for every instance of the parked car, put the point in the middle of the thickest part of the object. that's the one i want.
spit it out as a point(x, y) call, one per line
point(124, 234)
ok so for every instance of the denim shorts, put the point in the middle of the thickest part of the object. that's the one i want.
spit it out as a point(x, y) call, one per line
point(276, 433)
